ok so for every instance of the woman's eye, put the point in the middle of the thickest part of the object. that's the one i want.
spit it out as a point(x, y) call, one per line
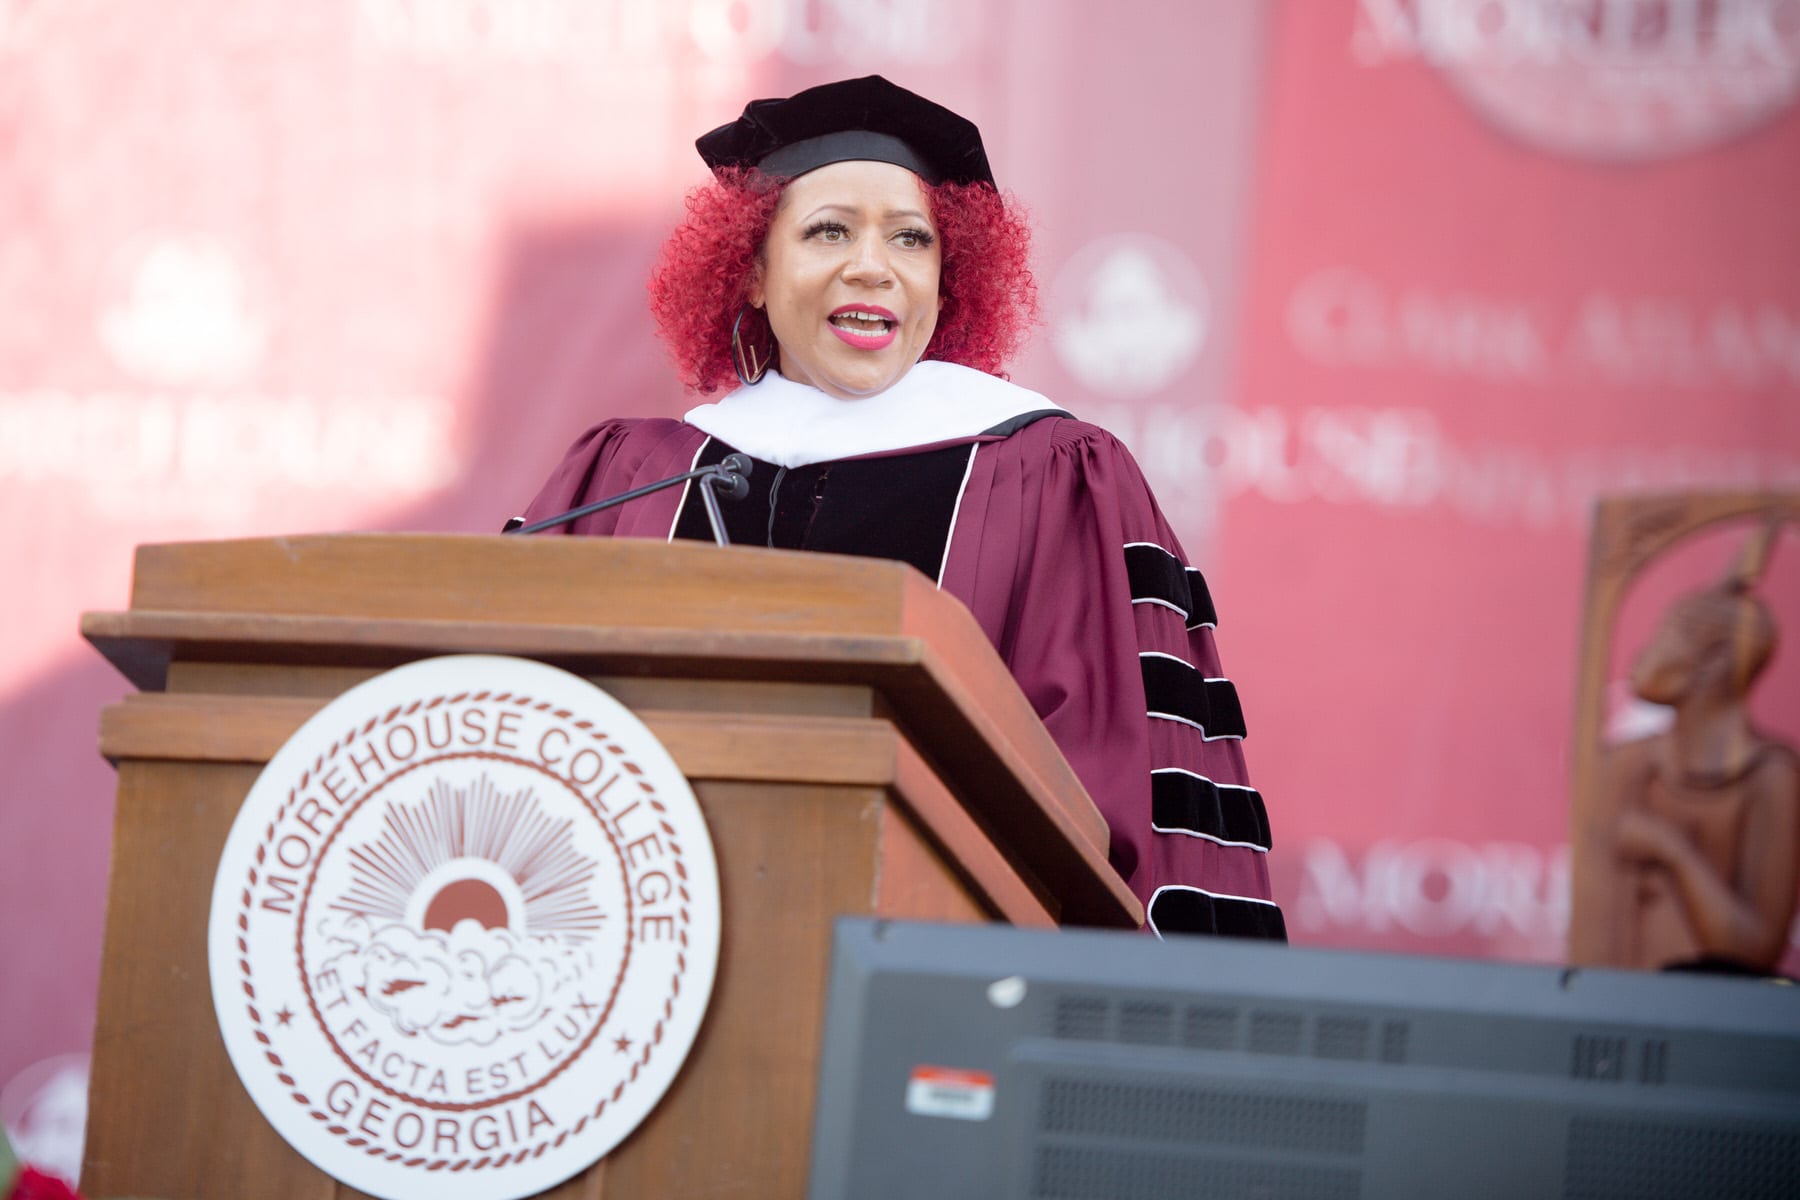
point(828, 231)
point(913, 239)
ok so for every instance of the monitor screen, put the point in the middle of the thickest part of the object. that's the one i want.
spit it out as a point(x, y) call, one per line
point(986, 1061)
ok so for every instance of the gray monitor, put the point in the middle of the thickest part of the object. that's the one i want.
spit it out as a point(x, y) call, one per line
point(984, 1061)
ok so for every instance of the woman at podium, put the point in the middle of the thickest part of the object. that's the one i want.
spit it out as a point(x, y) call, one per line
point(853, 283)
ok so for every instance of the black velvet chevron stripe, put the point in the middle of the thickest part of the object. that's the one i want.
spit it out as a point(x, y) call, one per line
point(1186, 910)
point(1156, 574)
point(1202, 612)
point(1180, 801)
point(1173, 688)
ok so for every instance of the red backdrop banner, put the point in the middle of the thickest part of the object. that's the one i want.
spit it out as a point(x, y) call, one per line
point(1382, 292)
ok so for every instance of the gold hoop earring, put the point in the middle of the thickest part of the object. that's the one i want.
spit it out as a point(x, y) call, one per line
point(749, 363)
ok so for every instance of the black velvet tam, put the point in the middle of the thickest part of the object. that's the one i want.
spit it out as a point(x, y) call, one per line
point(853, 119)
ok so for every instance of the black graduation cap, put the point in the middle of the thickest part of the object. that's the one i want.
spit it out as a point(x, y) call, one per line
point(867, 118)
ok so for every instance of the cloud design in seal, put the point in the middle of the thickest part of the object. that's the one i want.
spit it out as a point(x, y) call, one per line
point(467, 985)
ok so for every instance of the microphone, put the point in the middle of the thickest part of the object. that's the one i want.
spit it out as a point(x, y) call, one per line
point(731, 476)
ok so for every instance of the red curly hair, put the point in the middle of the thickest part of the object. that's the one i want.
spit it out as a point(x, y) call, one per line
point(987, 296)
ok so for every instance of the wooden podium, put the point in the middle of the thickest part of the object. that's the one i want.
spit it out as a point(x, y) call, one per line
point(855, 743)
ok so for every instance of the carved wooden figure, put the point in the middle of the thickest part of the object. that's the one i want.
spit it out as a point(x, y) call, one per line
point(1688, 845)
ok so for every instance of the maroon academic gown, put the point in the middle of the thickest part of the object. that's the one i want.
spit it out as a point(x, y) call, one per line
point(1059, 550)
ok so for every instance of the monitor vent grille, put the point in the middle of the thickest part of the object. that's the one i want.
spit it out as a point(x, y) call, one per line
point(1395, 1039)
point(1275, 1032)
point(1146, 1023)
point(1620, 1158)
point(1597, 1057)
point(1191, 1115)
point(1654, 1065)
point(1094, 1173)
point(1080, 1018)
point(1206, 1028)
point(1341, 1037)
point(1149, 1022)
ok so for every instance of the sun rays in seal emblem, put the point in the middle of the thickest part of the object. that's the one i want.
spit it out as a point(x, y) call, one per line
point(465, 913)
point(477, 853)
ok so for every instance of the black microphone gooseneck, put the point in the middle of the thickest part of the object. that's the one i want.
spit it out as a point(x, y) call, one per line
point(731, 475)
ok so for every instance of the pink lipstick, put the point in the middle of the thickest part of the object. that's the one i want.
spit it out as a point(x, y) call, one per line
point(864, 326)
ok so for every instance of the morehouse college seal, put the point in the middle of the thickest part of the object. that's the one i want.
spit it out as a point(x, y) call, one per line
point(464, 930)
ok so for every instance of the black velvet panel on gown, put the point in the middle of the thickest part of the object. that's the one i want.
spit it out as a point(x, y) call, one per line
point(898, 506)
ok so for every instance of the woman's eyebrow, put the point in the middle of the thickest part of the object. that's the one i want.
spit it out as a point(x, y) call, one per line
point(892, 214)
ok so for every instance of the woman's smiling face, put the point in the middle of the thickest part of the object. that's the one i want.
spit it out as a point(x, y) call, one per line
point(849, 277)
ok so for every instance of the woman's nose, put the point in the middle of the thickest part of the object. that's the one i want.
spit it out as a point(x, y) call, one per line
point(868, 262)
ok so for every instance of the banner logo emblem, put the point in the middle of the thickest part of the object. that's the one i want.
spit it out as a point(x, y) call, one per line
point(1601, 80)
point(1129, 313)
